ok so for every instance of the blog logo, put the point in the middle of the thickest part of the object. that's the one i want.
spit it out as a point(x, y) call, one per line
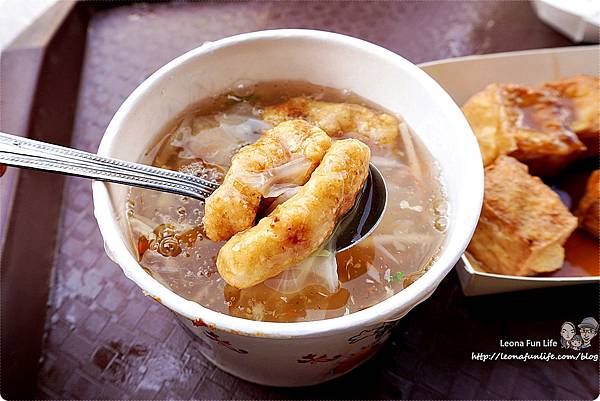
point(570, 339)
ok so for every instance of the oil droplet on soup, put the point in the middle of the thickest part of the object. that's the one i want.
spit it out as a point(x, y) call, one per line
point(166, 229)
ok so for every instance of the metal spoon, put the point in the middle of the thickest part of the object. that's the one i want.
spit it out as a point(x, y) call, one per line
point(22, 152)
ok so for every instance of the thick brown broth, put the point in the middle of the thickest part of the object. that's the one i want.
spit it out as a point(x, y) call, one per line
point(167, 231)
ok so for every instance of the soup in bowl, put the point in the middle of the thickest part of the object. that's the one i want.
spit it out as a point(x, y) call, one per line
point(323, 313)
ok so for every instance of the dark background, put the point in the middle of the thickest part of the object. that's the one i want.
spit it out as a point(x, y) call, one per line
point(100, 337)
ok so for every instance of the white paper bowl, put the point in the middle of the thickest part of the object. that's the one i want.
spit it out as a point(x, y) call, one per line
point(463, 77)
point(292, 354)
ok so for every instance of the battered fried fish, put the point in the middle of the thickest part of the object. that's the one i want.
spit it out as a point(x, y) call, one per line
point(529, 124)
point(338, 119)
point(299, 226)
point(523, 223)
point(233, 206)
point(583, 93)
point(589, 206)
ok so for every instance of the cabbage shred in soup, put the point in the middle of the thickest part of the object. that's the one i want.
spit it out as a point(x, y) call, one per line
point(167, 230)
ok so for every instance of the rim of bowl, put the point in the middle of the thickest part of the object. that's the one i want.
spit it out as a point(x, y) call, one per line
point(392, 308)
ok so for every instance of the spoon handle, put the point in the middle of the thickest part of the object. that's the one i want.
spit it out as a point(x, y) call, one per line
point(28, 153)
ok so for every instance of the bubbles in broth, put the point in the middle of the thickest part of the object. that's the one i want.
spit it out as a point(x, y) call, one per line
point(167, 232)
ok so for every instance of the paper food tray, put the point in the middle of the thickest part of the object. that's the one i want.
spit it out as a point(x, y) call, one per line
point(463, 77)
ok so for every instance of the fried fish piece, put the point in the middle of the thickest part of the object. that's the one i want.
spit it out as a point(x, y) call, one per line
point(583, 92)
point(338, 119)
point(299, 226)
point(588, 210)
point(233, 206)
point(523, 223)
point(529, 124)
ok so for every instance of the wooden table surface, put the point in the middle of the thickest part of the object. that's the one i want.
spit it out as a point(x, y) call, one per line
point(105, 339)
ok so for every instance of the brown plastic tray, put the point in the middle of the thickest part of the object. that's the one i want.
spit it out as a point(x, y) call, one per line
point(100, 337)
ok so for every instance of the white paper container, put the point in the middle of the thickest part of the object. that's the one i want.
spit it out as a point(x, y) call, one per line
point(462, 77)
point(293, 354)
point(579, 20)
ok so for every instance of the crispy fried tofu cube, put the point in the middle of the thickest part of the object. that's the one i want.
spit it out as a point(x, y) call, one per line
point(523, 223)
point(485, 113)
point(583, 93)
point(529, 124)
point(589, 206)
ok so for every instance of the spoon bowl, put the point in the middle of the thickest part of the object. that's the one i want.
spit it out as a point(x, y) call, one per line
point(366, 214)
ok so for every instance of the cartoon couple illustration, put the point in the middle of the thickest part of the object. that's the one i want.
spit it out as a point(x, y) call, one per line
point(588, 328)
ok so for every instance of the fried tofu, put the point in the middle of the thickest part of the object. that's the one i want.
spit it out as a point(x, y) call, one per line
point(588, 210)
point(338, 119)
point(529, 124)
point(583, 93)
point(300, 225)
point(233, 206)
point(486, 114)
point(523, 223)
